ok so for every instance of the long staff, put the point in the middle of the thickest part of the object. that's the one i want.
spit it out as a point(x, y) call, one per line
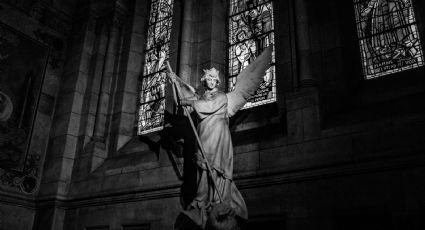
point(196, 135)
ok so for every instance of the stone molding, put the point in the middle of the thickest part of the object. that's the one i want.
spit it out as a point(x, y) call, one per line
point(243, 181)
point(17, 200)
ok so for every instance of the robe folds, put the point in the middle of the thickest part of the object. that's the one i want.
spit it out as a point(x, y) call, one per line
point(214, 133)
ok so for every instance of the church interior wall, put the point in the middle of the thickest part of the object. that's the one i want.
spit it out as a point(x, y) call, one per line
point(30, 25)
point(334, 152)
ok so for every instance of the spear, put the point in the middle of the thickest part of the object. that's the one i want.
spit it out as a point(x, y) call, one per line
point(196, 134)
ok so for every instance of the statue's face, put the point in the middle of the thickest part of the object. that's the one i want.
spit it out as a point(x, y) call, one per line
point(210, 83)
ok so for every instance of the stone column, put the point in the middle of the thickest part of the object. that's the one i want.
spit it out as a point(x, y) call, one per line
point(86, 160)
point(97, 150)
point(303, 47)
point(212, 38)
point(126, 94)
point(109, 69)
point(303, 107)
point(186, 41)
point(96, 73)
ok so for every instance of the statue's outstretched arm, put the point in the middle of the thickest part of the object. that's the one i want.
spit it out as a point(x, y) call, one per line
point(187, 91)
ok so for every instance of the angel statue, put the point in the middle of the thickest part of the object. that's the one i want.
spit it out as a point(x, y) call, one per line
point(218, 204)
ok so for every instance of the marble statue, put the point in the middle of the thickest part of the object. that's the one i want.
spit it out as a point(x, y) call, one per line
point(214, 109)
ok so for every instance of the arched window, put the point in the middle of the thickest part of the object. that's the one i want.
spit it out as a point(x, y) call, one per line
point(251, 29)
point(388, 36)
point(152, 92)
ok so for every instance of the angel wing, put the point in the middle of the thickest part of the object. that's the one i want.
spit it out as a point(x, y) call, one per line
point(248, 82)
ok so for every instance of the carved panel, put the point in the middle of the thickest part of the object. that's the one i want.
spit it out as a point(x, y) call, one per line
point(22, 66)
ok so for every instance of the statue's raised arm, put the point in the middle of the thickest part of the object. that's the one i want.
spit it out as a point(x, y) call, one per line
point(248, 81)
point(186, 90)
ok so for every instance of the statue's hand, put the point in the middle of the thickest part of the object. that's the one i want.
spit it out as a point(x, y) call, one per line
point(172, 77)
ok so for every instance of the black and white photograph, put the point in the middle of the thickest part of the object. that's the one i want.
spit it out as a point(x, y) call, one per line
point(212, 115)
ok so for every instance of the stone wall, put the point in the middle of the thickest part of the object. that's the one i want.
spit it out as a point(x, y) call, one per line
point(46, 26)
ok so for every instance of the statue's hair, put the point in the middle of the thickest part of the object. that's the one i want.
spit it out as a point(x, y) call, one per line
point(212, 73)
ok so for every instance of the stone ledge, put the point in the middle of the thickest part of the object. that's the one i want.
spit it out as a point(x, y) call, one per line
point(108, 198)
point(263, 178)
point(128, 163)
point(243, 181)
point(17, 200)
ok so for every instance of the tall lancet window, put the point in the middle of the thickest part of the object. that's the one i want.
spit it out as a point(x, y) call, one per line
point(251, 29)
point(388, 36)
point(152, 92)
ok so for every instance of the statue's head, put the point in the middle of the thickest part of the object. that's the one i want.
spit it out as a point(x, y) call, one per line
point(210, 74)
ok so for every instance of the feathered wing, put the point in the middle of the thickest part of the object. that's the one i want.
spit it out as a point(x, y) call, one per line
point(248, 82)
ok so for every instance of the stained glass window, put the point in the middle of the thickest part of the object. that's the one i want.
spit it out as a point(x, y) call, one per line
point(388, 36)
point(152, 92)
point(251, 29)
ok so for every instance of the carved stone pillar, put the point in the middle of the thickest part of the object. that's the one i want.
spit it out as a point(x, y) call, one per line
point(211, 38)
point(186, 41)
point(303, 47)
point(96, 73)
point(303, 107)
point(109, 69)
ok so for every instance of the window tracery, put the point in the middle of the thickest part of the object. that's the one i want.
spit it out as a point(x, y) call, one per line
point(251, 29)
point(388, 36)
point(152, 92)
